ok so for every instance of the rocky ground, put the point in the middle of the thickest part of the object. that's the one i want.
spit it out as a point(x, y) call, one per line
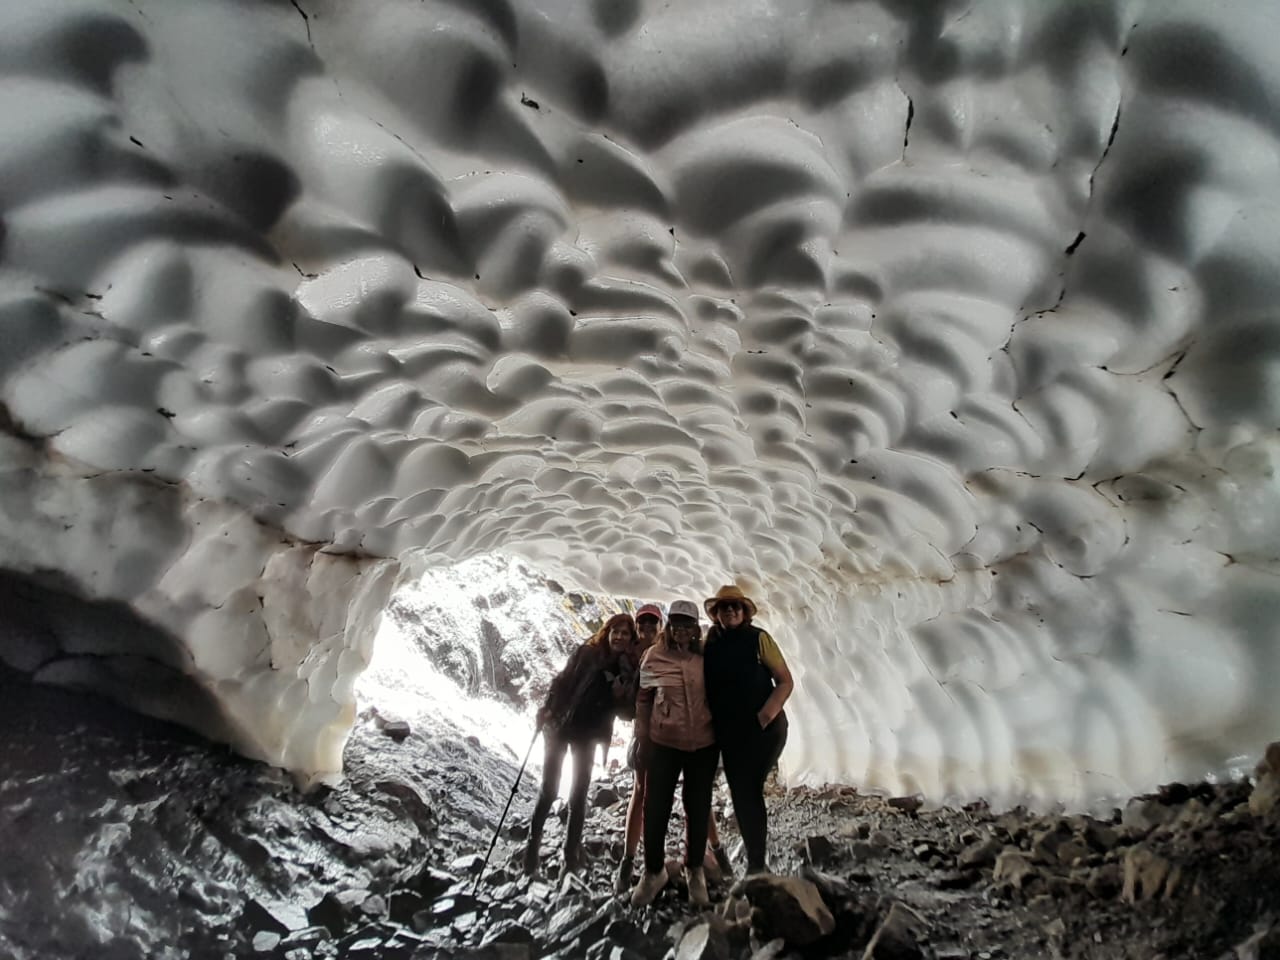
point(124, 837)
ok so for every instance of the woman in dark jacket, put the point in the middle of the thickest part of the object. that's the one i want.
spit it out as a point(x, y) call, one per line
point(748, 682)
point(598, 682)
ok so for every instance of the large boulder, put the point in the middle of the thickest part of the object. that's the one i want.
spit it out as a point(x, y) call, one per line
point(788, 907)
point(899, 937)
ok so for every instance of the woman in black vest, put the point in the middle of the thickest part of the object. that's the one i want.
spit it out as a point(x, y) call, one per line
point(748, 682)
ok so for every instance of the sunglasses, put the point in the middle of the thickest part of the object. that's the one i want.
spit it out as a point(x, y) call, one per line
point(729, 606)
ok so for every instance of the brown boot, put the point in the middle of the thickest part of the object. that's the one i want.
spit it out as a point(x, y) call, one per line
point(531, 854)
point(622, 883)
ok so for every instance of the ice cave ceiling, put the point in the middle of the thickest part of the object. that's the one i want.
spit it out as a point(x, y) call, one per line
point(947, 329)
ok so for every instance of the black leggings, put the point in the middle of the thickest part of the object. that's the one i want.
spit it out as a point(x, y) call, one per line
point(747, 762)
point(665, 766)
point(553, 760)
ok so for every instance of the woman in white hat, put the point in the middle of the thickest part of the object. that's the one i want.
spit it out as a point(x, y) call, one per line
point(747, 683)
point(674, 728)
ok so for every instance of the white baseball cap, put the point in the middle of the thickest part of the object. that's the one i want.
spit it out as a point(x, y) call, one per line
point(683, 608)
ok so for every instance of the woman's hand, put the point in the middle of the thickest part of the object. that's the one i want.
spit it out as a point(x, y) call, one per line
point(763, 717)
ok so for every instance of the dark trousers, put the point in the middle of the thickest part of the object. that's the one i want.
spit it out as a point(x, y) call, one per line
point(666, 764)
point(553, 760)
point(748, 759)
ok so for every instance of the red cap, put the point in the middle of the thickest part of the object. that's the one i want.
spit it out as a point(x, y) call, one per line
point(650, 610)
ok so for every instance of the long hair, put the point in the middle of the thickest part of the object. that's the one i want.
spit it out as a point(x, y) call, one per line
point(668, 641)
point(601, 637)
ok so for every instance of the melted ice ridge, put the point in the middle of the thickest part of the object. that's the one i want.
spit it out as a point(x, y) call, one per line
point(945, 329)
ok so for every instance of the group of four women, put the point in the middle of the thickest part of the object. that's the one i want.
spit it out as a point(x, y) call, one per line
point(695, 703)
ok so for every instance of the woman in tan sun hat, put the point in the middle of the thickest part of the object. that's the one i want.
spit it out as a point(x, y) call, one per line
point(747, 682)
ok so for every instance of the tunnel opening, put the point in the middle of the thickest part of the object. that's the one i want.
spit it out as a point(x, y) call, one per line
point(468, 651)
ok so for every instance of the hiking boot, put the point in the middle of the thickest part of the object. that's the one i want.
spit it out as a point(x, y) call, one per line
point(711, 869)
point(623, 882)
point(698, 887)
point(531, 858)
point(574, 858)
point(722, 861)
point(648, 888)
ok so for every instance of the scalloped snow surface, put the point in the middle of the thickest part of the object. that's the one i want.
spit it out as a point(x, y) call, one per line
point(946, 329)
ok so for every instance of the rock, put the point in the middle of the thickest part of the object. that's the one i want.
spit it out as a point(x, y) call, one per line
point(337, 911)
point(397, 730)
point(508, 931)
point(788, 907)
point(411, 800)
point(1012, 824)
point(605, 797)
point(403, 904)
point(1143, 816)
point(307, 937)
point(427, 881)
point(1147, 875)
point(1173, 794)
point(624, 932)
point(704, 941)
point(831, 888)
point(1263, 945)
point(898, 937)
point(980, 854)
point(1045, 843)
point(818, 849)
point(264, 941)
point(956, 879)
point(924, 851)
point(1014, 867)
point(1072, 851)
point(861, 830)
point(604, 950)
point(736, 909)
point(771, 950)
point(373, 906)
point(468, 864)
point(1104, 882)
point(270, 915)
point(862, 850)
point(907, 804)
point(1100, 837)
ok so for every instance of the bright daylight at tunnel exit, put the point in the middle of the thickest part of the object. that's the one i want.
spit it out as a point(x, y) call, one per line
point(722, 480)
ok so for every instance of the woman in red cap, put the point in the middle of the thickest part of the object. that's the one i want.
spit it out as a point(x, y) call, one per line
point(648, 621)
point(597, 684)
point(748, 682)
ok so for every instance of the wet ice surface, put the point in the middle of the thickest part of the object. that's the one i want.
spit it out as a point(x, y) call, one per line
point(124, 837)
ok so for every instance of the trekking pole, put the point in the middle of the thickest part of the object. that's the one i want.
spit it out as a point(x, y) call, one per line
point(503, 819)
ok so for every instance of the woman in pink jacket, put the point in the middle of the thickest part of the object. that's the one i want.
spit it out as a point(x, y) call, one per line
point(673, 724)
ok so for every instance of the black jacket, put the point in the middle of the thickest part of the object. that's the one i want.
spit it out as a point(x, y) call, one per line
point(581, 703)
